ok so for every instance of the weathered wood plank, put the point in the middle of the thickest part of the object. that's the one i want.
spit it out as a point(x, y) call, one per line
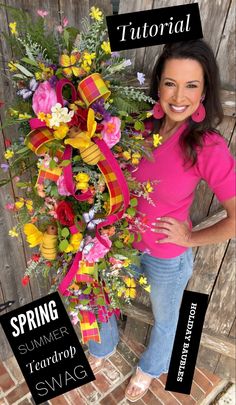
point(135, 55)
point(220, 315)
point(228, 102)
point(226, 368)
point(213, 16)
point(226, 53)
point(207, 359)
point(220, 344)
point(223, 345)
point(152, 52)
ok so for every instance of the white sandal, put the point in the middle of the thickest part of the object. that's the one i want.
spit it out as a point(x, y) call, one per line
point(144, 386)
point(98, 362)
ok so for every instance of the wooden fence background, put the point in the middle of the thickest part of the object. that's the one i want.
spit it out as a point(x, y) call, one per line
point(214, 265)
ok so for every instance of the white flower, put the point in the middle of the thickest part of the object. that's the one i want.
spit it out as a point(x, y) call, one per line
point(141, 77)
point(60, 114)
point(127, 62)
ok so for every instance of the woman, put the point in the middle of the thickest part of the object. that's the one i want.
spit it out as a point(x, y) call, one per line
point(186, 83)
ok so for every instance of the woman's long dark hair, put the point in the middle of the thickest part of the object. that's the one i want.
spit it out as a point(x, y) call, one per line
point(200, 51)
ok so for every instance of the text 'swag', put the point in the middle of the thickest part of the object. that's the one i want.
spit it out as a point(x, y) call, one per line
point(46, 347)
point(154, 27)
point(187, 341)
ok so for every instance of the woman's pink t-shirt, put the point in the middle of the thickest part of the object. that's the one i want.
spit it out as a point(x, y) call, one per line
point(174, 193)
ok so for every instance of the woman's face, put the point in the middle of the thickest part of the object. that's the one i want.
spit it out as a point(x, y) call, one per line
point(181, 88)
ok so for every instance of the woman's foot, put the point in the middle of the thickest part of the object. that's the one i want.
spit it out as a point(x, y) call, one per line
point(138, 386)
point(95, 362)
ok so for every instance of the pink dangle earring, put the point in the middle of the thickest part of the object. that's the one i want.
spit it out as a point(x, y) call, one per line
point(200, 113)
point(157, 110)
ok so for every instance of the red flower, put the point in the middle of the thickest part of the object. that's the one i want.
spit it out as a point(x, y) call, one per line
point(7, 142)
point(1, 103)
point(48, 264)
point(65, 213)
point(25, 280)
point(35, 257)
point(79, 119)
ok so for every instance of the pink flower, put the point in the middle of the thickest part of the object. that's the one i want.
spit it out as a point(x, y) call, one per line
point(10, 206)
point(42, 13)
point(98, 251)
point(65, 22)
point(111, 131)
point(61, 185)
point(59, 28)
point(44, 98)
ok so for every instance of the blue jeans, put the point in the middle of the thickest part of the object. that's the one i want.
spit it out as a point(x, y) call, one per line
point(168, 279)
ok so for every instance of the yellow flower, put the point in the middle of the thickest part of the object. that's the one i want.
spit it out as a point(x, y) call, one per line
point(33, 235)
point(19, 204)
point(13, 233)
point(120, 291)
point(29, 205)
point(126, 155)
point(106, 47)
point(61, 132)
point(148, 288)
point(38, 75)
point(136, 158)
point(143, 280)
point(126, 263)
point(68, 249)
point(148, 187)
point(12, 27)
point(87, 59)
point(8, 154)
point(83, 139)
point(95, 13)
point(41, 116)
point(75, 241)
point(138, 137)
point(148, 114)
point(156, 140)
point(12, 66)
point(130, 291)
point(82, 177)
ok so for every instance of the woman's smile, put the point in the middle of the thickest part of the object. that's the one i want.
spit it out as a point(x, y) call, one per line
point(178, 108)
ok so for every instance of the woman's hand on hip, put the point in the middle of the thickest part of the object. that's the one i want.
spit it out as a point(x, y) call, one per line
point(175, 231)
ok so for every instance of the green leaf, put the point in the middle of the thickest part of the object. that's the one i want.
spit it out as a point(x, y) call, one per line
point(63, 245)
point(100, 301)
point(65, 163)
point(87, 290)
point(139, 238)
point(23, 150)
point(131, 211)
point(30, 61)
point(84, 302)
point(22, 185)
point(133, 202)
point(118, 244)
point(52, 164)
point(66, 37)
point(96, 290)
point(138, 125)
point(131, 239)
point(65, 232)
point(23, 70)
